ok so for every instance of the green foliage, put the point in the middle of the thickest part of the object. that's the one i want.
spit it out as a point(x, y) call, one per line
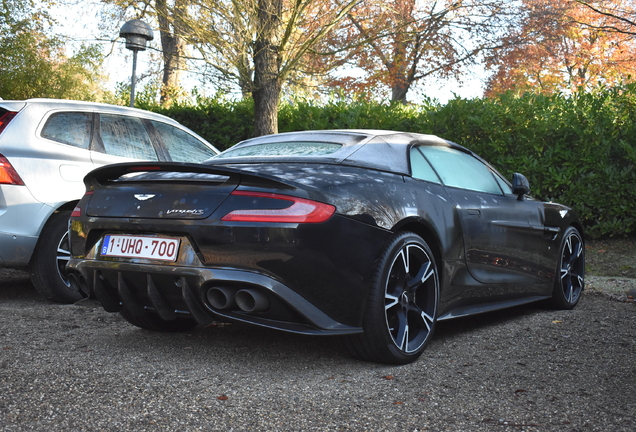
point(361, 114)
point(220, 122)
point(33, 64)
point(578, 150)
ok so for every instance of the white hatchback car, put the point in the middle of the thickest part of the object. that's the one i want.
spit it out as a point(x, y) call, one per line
point(46, 148)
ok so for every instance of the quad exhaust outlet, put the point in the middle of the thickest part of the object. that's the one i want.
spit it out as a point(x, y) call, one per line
point(247, 299)
point(222, 297)
point(78, 283)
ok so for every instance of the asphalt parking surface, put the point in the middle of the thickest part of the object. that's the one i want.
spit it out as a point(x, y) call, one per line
point(79, 368)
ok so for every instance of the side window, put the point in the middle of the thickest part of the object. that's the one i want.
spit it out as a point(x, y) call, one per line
point(73, 128)
point(182, 146)
point(503, 185)
point(461, 170)
point(420, 168)
point(126, 137)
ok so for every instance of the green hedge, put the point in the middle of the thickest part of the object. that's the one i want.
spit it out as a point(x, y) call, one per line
point(221, 123)
point(577, 150)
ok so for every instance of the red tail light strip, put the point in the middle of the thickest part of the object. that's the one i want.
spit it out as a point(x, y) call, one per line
point(8, 175)
point(77, 211)
point(5, 119)
point(300, 210)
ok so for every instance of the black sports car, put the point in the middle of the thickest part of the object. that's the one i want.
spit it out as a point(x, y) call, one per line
point(371, 235)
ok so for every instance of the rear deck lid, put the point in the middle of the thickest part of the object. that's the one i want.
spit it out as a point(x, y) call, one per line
point(166, 190)
point(161, 191)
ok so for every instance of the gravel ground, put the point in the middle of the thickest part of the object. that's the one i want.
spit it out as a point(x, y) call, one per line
point(76, 368)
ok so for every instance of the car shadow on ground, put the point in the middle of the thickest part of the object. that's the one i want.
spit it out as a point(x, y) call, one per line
point(221, 341)
point(448, 329)
point(259, 347)
point(16, 285)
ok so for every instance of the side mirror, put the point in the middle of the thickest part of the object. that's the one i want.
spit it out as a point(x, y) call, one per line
point(520, 185)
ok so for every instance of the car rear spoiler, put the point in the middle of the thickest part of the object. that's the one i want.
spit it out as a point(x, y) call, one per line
point(114, 172)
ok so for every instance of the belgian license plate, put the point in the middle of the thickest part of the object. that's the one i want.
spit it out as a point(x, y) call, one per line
point(129, 246)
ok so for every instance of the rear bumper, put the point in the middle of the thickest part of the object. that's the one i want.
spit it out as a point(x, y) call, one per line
point(21, 219)
point(174, 291)
point(16, 250)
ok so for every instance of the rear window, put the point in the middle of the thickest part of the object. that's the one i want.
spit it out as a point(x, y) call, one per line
point(73, 128)
point(296, 148)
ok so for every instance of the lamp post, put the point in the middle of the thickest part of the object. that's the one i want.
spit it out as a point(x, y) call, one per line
point(137, 33)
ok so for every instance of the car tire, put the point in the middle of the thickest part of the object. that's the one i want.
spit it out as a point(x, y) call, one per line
point(48, 265)
point(150, 321)
point(402, 306)
point(569, 279)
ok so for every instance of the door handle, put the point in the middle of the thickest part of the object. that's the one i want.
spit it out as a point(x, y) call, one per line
point(474, 212)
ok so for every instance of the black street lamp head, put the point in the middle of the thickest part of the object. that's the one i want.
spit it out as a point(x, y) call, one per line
point(137, 33)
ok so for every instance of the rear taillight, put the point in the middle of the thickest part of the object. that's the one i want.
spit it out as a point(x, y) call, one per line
point(8, 175)
point(5, 119)
point(77, 211)
point(299, 210)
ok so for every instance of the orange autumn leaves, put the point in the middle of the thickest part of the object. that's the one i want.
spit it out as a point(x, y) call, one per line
point(562, 46)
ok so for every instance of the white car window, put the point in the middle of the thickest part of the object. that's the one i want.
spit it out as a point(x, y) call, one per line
point(73, 128)
point(182, 146)
point(126, 137)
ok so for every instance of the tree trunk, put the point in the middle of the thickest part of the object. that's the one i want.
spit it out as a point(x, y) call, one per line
point(400, 82)
point(266, 99)
point(399, 91)
point(266, 93)
point(267, 83)
point(173, 47)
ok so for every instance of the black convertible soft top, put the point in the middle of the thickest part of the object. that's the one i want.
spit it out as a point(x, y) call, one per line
point(376, 149)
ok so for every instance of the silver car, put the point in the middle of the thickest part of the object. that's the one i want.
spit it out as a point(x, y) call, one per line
point(46, 148)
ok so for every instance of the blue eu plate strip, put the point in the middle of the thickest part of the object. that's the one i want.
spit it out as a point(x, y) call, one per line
point(105, 245)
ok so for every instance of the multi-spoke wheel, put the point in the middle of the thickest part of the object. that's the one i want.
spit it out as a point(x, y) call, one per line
point(402, 306)
point(62, 258)
point(570, 273)
point(48, 265)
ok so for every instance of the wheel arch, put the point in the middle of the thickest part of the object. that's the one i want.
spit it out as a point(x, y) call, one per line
point(428, 234)
point(579, 228)
point(69, 206)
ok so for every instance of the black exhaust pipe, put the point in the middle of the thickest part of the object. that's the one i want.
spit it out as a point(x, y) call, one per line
point(221, 297)
point(250, 300)
point(78, 283)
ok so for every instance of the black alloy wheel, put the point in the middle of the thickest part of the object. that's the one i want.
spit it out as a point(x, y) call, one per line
point(570, 273)
point(48, 265)
point(402, 306)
